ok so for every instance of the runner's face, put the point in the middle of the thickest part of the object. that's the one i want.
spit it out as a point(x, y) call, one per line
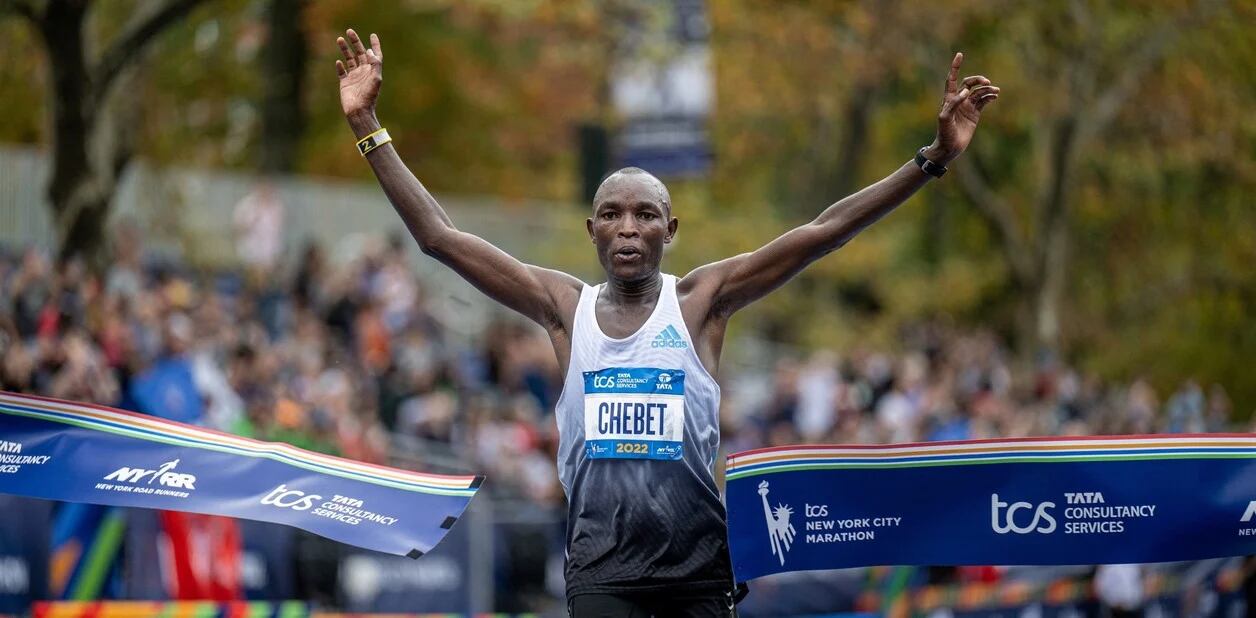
point(631, 223)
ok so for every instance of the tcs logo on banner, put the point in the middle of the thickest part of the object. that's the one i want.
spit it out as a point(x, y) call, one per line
point(603, 382)
point(285, 498)
point(1005, 521)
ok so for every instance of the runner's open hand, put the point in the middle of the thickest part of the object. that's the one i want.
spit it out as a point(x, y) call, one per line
point(361, 71)
point(961, 111)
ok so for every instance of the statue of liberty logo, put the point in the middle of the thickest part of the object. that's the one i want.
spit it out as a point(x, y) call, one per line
point(780, 531)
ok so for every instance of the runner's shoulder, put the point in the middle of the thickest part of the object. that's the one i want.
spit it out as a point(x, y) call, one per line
point(707, 276)
point(702, 285)
point(563, 291)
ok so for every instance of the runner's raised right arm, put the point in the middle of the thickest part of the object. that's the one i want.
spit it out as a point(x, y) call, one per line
point(541, 294)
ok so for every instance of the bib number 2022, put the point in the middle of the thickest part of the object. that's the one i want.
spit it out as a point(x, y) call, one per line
point(632, 447)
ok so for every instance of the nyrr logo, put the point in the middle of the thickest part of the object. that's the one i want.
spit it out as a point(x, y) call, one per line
point(669, 338)
point(1041, 513)
point(285, 498)
point(780, 531)
point(1250, 512)
point(162, 476)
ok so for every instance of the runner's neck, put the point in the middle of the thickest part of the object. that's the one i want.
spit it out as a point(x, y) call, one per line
point(645, 291)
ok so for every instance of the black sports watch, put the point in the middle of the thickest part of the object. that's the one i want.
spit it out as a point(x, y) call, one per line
point(927, 166)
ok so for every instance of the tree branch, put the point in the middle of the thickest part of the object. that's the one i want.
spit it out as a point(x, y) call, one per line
point(1140, 60)
point(132, 42)
point(1000, 215)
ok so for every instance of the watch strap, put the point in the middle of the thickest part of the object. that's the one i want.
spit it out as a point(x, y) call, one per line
point(927, 166)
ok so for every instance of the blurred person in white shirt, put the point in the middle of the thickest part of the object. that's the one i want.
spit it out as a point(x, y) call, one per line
point(1120, 589)
point(258, 221)
point(818, 389)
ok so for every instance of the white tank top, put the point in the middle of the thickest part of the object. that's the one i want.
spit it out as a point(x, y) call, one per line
point(638, 424)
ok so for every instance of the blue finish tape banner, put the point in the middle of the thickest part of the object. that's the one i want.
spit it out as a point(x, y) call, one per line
point(60, 450)
point(1092, 500)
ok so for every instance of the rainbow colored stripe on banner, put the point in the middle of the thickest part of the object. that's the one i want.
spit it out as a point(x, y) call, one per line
point(152, 429)
point(997, 451)
point(170, 609)
point(211, 609)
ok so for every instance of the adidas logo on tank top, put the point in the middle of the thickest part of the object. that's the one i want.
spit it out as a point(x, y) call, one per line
point(669, 338)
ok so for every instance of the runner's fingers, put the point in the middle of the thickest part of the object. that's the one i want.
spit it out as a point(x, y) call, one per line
point(954, 73)
point(379, 51)
point(344, 51)
point(356, 43)
point(986, 100)
point(953, 100)
point(981, 91)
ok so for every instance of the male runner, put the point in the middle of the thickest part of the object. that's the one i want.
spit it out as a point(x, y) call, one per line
point(638, 417)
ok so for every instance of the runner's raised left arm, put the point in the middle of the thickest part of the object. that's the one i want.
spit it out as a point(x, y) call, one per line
point(740, 280)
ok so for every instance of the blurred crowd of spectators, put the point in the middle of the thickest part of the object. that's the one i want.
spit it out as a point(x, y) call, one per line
point(955, 386)
point(347, 359)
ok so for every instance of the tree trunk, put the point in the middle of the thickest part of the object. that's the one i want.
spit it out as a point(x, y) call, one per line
point(72, 193)
point(283, 115)
point(854, 147)
point(1052, 249)
point(1049, 296)
point(935, 230)
point(62, 31)
point(92, 131)
point(83, 235)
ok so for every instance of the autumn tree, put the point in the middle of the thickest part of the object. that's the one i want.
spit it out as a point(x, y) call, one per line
point(1083, 63)
point(815, 100)
point(486, 94)
point(803, 82)
point(92, 126)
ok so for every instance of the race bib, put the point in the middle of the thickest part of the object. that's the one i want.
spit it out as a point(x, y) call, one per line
point(634, 413)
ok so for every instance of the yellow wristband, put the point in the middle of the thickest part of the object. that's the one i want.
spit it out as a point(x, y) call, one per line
point(373, 141)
